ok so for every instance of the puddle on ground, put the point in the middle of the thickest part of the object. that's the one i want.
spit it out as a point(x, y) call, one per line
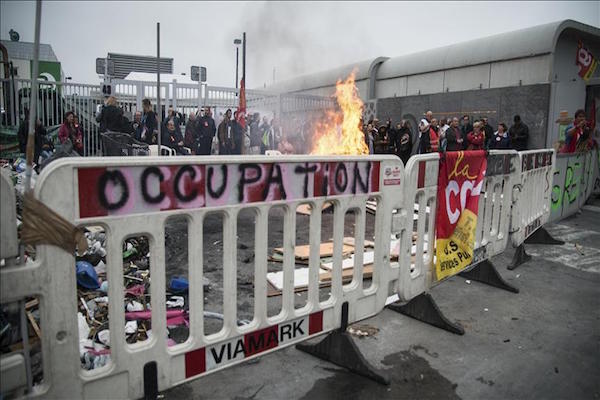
point(411, 377)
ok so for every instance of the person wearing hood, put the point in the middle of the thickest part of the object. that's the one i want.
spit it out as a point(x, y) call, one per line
point(403, 141)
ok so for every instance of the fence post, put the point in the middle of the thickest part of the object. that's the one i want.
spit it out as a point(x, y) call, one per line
point(174, 95)
point(139, 91)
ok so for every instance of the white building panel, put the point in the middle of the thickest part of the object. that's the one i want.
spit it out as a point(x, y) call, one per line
point(395, 87)
point(467, 78)
point(429, 83)
point(529, 71)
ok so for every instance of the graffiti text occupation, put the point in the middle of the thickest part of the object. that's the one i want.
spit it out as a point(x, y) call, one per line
point(142, 189)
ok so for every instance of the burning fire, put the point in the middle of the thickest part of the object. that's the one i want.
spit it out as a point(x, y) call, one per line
point(340, 133)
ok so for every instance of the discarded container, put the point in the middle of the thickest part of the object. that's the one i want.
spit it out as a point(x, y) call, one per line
point(86, 275)
point(179, 285)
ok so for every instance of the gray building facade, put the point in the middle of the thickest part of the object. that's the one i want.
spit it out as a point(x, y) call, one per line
point(530, 72)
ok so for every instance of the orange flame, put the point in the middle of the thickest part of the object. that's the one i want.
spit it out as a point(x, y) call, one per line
point(340, 133)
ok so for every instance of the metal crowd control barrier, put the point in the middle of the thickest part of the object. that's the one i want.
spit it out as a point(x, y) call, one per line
point(133, 196)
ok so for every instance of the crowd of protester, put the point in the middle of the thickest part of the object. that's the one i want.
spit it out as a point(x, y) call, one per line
point(452, 134)
point(198, 134)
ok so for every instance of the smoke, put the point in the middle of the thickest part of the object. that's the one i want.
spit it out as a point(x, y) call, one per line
point(297, 38)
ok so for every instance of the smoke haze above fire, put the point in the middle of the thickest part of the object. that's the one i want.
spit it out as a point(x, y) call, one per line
point(295, 38)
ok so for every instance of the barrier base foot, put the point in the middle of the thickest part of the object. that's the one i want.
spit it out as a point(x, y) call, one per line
point(424, 308)
point(485, 272)
point(339, 348)
point(541, 236)
point(150, 381)
point(519, 258)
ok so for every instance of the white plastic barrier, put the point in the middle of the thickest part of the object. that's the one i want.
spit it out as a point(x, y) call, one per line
point(495, 203)
point(132, 196)
point(532, 208)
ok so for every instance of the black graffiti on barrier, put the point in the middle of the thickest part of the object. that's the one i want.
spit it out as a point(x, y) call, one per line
point(117, 178)
point(250, 174)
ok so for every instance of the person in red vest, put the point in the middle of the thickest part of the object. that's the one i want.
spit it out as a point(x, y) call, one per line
point(429, 139)
point(476, 138)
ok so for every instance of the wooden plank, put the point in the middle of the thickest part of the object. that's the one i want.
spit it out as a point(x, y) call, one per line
point(34, 324)
point(31, 303)
point(302, 252)
point(324, 281)
point(306, 209)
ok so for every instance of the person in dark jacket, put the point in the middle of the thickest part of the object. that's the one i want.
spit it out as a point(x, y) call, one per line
point(149, 124)
point(136, 125)
point(172, 138)
point(519, 134)
point(454, 137)
point(238, 135)
point(403, 141)
point(424, 137)
point(465, 129)
point(500, 140)
point(191, 133)
point(225, 134)
point(39, 136)
point(488, 130)
point(255, 137)
point(110, 117)
point(206, 132)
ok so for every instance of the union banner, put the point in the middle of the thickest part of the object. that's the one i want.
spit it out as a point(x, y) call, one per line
point(459, 183)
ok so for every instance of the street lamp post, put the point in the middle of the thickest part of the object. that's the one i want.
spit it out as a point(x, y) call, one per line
point(237, 43)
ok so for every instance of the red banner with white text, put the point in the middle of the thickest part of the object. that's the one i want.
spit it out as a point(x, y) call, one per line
point(460, 181)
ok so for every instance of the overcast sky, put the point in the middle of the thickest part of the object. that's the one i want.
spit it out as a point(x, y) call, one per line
point(291, 37)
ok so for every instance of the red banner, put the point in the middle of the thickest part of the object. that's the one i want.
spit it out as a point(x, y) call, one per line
point(460, 181)
point(241, 116)
point(586, 62)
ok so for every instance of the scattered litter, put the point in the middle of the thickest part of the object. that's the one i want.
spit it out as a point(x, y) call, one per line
point(518, 275)
point(579, 248)
point(362, 330)
point(485, 309)
point(136, 290)
point(179, 285)
point(86, 275)
point(104, 287)
point(175, 301)
point(104, 337)
point(131, 327)
point(134, 306)
point(556, 370)
point(468, 282)
point(506, 340)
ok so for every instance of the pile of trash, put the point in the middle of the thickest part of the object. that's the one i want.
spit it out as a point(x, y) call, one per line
point(93, 297)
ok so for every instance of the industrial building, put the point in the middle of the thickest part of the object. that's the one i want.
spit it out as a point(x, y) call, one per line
point(531, 72)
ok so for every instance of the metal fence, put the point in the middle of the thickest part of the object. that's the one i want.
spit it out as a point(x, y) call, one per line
point(56, 98)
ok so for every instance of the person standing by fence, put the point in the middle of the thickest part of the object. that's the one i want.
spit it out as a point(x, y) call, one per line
point(110, 117)
point(225, 134)
point(500, 140)
point(68, 133)
point(577, 134)
point(476, 138)
point(206, 132)
point(519, 134)
point(454, 137)
point(149, 124)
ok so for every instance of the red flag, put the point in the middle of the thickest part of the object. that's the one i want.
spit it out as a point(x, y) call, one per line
point(241, 115)
point(460, 181)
